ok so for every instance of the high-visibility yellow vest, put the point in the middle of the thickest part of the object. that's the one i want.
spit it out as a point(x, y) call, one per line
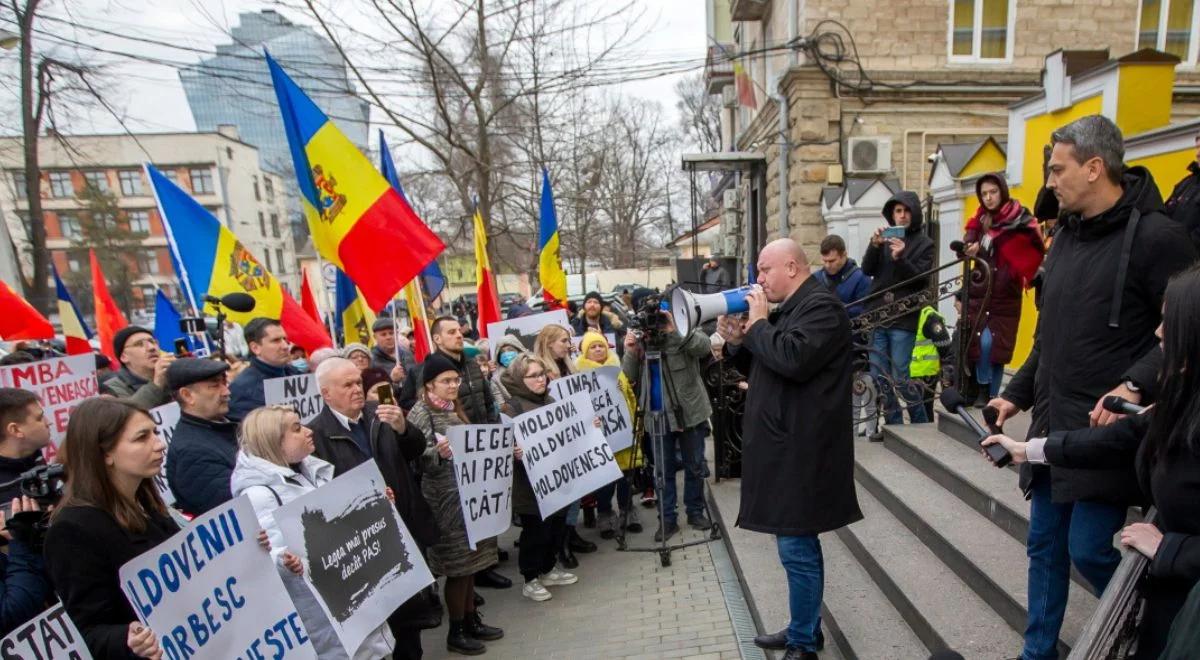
point(925, 362)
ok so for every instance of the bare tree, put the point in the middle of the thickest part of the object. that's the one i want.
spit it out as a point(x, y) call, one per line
point(699, 113)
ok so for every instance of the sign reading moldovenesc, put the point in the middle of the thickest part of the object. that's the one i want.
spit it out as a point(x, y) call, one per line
point(602, 386)
point(483, 468)
point(50, 635)
point(166, 418)
point(211, 591)
point(360, 560)
point(565, 455)
point(300, 392)
point(61, 384)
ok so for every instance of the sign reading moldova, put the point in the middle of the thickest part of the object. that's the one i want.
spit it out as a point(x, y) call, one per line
point(61, 384)
point(299, 391)
point(357, 220)
point(50, 635)
point(483, 469)
point(565, 455)
point(211, 591)
point(602, 386)
point(211, 261)
point(359, 559)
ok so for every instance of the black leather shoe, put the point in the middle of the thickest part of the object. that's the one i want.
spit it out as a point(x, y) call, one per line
point(699, 521)
point(672, 530)
point(797, 654)
point(457, 641)
point(567, 559)
point(492, 580)
point(772, 642)
point(577, 543)
point(479, 601)
point(474, 627)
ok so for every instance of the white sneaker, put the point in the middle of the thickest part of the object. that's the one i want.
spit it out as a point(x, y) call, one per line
point(534, 591)
point(557, 578)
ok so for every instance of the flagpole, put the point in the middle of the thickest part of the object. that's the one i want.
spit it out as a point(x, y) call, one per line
point(332, 305)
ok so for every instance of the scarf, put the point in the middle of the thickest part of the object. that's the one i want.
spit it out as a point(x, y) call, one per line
point(440, 403)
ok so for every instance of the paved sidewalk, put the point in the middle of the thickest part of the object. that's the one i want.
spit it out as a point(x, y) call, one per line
point(625, 605)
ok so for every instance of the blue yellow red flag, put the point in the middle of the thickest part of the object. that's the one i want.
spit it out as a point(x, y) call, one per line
point(487, 299)
point(75, 330)
point(211, 261)
point(353, 318)
point(358, 222)
point(550, 270)
point(432, 279)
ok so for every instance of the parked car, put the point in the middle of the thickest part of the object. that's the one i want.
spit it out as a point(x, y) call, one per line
point(619, 288)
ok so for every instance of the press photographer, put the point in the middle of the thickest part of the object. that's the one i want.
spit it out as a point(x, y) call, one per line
point(25, 431)
point(686, 403)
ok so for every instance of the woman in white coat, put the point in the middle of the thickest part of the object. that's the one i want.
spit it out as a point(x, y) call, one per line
point(274, 467)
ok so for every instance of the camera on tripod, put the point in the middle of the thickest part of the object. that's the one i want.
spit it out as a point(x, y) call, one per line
point(651, 319)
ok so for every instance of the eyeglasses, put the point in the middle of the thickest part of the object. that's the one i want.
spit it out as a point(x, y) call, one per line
point(449, 381)
point(537, 376)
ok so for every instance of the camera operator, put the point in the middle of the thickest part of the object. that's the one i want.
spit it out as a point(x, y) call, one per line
point(798, 444)
point(142, 377)
point(204, 447)
point(25, 431)
point(687, 410)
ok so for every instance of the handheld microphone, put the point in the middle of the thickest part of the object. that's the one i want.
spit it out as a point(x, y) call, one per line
point(1120, 406)
point(235, 302)
point(990, 417)
point(954, 401)
point(957, 247)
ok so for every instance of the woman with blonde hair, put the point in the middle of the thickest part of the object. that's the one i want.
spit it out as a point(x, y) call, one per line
point(553, 344)
point(276, 466)
point(594, 353)
point(437, 409)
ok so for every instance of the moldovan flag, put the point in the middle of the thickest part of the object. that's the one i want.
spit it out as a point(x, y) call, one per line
point(353, 318)
point(421, 341)
point(211, 261)
point(358, 222)
point(550, 270)
point(19, 320)
point(308, 301)
point(109, 318)
point(489, 300)
point(75, 330)
point(744, 85)
point(432, 279)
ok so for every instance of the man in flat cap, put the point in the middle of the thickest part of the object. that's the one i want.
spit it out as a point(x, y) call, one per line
point(204, 448)
point(384, 355)
point(142, 377)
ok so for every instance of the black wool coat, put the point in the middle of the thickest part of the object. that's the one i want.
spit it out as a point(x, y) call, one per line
point(85, 549)
point(798, 439)
point(200, 463)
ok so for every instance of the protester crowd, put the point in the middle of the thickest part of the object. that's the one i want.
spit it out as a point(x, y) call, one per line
point(1119, 314)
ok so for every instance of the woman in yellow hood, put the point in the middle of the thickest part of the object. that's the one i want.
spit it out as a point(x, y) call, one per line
point(593, 354)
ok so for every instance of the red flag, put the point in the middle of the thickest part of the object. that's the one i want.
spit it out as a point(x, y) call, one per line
point(19, 320)
point(307, 300)
point(489, 300)
point(109, 318)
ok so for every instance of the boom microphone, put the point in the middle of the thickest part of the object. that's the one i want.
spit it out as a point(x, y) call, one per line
point(954, 401)
point(1120, 406)
point(234, 302)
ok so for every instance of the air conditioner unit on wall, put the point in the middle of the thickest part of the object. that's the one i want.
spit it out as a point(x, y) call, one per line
point(729, 96)
point(869, 154)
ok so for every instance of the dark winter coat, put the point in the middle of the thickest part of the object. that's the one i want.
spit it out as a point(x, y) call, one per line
point(201, 460)
point(1184, 203)
point(246, 391)
point(850, 284)
point(798, 455)
point(381, 359)
point(11, 469)
point(25, 588)
point(714, 280)
point(392, 453)
point(85, 550)
point(916, 258)
point(1077, 356)
point(521, 400)
point(1171, 485)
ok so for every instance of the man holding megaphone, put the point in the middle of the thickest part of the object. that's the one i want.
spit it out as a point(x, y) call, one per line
point(798, 445)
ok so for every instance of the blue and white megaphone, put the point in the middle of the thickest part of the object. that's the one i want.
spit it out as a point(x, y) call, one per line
point(691, 310)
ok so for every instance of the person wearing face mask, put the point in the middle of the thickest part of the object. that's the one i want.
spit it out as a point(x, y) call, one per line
point(275, 466)
point(508, 349)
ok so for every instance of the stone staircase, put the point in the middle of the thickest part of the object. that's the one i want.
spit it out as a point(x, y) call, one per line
point(938, 561)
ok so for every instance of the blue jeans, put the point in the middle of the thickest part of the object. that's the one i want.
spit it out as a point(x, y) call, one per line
point(896, 346)
point(604, 495)
point(805, 567)
point(689, 445)
point(1059, 535)
point(987, 372)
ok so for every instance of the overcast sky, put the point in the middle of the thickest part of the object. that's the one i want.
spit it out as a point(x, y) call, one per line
point(150, 98)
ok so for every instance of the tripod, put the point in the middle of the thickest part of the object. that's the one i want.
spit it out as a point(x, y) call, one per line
point(654, 421)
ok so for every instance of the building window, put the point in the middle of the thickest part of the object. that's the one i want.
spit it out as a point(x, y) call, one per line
point(75, 262)
point(60, 185)
point(131, 182)
point(68, 225)
point(279, 262)
point(19, 184)
point(202, 180)
point(147, 295)
point(270, 188)
point(171, 175)
point(979, 29)
point(147, 263)
point(97, 180)
point(274, 225)
point(257, 195)
point(267, 258)
point(1167, 25)
point(262, 224)
point(139, 222)
point(104, 221)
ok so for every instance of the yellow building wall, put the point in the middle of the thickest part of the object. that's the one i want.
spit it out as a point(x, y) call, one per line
point(1144, 97)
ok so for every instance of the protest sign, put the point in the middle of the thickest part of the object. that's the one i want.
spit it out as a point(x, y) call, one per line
point(50, 635)
point(60, 383)
point(300, 392)
point(360, 560)
point(165, 418)
point(483, 468)
point(565, 455)
point(612, 409)
point(526, 328)
point(211, 591)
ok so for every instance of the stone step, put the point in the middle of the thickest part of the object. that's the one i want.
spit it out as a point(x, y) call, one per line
point(940, 608)
point(987, 559)
point(950, 424)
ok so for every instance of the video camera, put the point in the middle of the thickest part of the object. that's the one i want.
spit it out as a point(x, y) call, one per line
point(651, 318)
point(44, 484)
